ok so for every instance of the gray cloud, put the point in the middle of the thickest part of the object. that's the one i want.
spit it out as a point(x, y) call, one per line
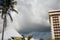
point(35, 14)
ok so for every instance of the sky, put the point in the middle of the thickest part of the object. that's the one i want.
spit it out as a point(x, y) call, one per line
point(32, 16)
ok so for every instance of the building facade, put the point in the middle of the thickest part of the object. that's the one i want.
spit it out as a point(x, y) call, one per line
point(54, 18)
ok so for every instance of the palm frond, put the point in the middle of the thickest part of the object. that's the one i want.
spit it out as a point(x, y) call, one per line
point(1, 4)
point(14, 10)
point(14, 3)
point(0, 11)
point(29, 37)
point(10, 16)
point(3, 12)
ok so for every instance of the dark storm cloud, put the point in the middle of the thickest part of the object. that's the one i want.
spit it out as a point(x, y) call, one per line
point(33, 15)
point(35, 28)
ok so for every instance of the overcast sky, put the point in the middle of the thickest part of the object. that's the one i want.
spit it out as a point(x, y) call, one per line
point(33, 15)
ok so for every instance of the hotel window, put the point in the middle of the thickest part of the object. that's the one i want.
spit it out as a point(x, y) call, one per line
point(57, 38)
point(56, 25)
point(56, 32)
point(56, 29)
point(55, 20)
point(55, 16)
point(57, 35)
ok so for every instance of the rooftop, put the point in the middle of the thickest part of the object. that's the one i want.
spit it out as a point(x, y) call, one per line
point(53, 11)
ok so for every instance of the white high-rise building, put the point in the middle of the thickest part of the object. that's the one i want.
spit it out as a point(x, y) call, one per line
point(54, 18)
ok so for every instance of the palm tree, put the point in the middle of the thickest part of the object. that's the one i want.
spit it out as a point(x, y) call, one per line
point(29, 37)
point(41, 39)
point(23, 37)
point(49, 39)
point(9, 39)
point(7, 5)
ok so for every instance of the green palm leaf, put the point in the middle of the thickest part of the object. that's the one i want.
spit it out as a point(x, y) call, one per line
point(0, 12)
point(10, 17)
point(14, 3)
point(3, 12)
point(14, 10)
point(29, 37)
point(1, 4)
